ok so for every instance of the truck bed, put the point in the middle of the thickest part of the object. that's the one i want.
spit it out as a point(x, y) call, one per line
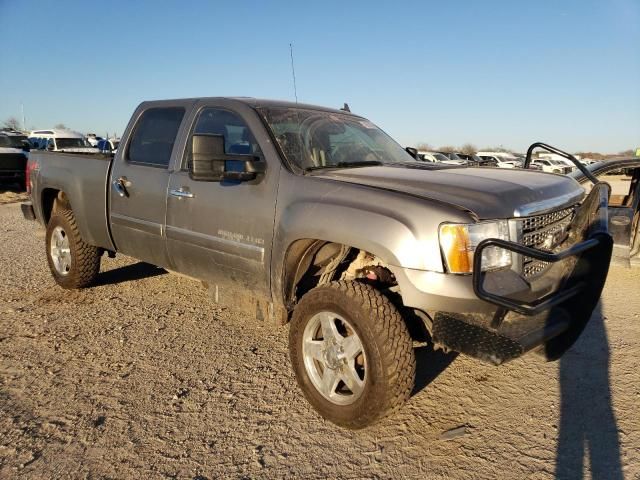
point(83, 178)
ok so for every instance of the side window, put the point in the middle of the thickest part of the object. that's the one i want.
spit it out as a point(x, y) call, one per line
point(238, 139)
point(154, 136)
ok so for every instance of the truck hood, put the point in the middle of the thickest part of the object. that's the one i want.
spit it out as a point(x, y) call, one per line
point(485, 192)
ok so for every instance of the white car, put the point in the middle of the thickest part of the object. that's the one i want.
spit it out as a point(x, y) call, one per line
point(93, 139)
point(498, 161)
point(553, 166)
point(437, 157)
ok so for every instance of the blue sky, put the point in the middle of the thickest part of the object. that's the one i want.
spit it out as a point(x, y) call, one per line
point(486, 72)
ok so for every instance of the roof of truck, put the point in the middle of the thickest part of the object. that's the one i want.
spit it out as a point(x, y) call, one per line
point(258, 103)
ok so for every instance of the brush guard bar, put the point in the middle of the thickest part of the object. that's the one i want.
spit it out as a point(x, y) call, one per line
point(549, 323)
point(588, 245)
point(585, 171)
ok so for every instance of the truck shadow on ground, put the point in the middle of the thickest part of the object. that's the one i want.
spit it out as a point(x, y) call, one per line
point(129, 273)
point(587, 422)
point(430, 364)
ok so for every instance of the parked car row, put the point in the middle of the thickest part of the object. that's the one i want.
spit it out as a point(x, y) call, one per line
point(499, 160)
point(482, 159)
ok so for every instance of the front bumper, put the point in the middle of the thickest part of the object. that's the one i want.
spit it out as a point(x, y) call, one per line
point(508, 315)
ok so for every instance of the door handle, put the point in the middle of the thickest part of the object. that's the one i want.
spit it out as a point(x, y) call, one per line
point(181, 193)
point(120, 186)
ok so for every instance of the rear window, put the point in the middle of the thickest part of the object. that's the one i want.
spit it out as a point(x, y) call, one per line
point(154, 136)
point(70, 143)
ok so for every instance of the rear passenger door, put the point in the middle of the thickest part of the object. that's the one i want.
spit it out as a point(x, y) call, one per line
point(139, 179)
point(222, 231)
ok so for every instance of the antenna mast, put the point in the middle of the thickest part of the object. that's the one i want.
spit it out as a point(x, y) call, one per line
point(293, 72)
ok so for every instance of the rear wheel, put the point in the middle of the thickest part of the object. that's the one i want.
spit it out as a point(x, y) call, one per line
point(73, 262)
point(352, 353)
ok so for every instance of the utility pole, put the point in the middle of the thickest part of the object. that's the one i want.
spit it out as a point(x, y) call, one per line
point(293, 72)
point(24, 123)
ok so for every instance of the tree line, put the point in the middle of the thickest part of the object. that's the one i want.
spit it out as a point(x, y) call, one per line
point(12, 123)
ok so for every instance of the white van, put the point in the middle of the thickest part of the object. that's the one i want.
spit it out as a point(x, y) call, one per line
point(56, 140)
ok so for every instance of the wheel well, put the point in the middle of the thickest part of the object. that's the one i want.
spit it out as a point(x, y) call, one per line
point(52, 200)
point(311, 262)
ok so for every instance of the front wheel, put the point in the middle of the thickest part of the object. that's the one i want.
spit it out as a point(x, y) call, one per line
point(73, 262)
point(352, 353)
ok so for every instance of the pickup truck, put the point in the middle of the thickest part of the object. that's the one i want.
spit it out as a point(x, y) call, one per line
point(327, 224)
point(14, 150)
point(624, 207)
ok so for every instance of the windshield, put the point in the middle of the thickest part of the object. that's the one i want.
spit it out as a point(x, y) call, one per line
point(316, 139)
point(440, 157)
point(12, 141)
point(70, 143)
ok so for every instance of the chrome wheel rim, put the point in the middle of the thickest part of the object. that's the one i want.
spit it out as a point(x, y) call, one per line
point(334, 358)
point(60, 251)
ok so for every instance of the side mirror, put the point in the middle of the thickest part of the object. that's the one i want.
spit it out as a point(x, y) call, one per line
point(210, 163)
point(413, 152)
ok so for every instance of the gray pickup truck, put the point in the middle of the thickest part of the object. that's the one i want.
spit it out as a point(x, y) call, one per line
point(322, 221)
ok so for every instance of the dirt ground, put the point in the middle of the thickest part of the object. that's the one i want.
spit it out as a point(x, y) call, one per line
point(143, 376)
point(12, 194)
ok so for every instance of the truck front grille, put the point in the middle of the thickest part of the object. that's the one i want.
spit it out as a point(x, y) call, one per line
point(543, 232)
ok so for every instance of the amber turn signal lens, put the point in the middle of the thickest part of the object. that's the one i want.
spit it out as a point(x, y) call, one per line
point(454, 240)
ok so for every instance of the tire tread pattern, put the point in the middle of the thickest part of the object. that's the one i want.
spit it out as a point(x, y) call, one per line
point(85, 261)
point(394, 343)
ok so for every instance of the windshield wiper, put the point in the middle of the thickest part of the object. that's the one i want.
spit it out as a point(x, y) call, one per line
point(367, 163)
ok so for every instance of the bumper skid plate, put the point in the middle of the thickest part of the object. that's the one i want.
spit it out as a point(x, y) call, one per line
point(550, 322)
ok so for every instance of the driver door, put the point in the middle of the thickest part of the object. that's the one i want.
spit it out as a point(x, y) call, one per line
point(222, 231)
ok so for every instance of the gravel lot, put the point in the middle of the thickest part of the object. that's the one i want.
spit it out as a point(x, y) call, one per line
point(144, 376)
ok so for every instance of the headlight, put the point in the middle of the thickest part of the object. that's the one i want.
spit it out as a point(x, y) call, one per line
point(458, 243)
